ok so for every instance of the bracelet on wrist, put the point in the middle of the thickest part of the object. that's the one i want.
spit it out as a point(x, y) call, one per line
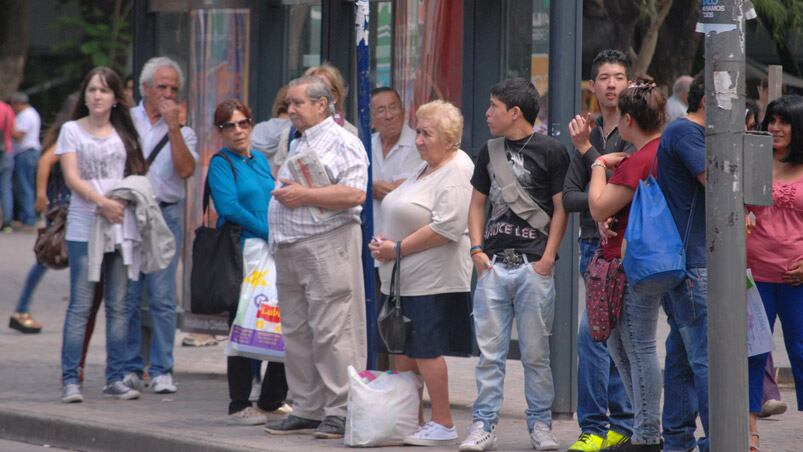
point(602, 161)
point(598, 165)
point(475, 248)
point(477, 251)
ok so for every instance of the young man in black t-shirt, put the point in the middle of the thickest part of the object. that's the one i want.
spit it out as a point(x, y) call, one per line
point(514, 264)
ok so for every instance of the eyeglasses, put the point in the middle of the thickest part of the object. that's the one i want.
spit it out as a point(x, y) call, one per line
point(243, 124)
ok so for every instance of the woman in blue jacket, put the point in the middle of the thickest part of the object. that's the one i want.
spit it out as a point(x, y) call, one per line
point(241, 184)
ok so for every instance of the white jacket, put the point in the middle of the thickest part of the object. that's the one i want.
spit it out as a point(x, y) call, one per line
point(146, 243)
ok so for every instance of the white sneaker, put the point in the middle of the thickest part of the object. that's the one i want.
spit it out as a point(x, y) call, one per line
point(72, 393)
point(432, 434)
point(117, 390)
point(542, 437)
point(134, 381)
point(163, 384)
point(478, 439)
point(249, 416)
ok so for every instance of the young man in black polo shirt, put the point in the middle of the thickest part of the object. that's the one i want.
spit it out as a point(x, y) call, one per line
point(514, 260)
point(604, 412)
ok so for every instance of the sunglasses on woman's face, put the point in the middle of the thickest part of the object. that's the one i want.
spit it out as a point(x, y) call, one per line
point(243, 124)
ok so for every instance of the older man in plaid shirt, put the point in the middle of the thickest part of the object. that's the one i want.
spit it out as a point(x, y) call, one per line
point(319, 274)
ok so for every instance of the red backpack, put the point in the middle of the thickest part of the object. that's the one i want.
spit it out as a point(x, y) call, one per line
point(605, 292)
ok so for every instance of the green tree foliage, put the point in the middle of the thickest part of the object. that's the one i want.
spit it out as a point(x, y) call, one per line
point(13, 44)
point(784, 21)
point(105, 37)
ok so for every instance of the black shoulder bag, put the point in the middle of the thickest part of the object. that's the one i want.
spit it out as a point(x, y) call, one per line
point(392, 324)
point(217, 262)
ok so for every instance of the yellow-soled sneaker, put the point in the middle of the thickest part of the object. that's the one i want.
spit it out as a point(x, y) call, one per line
point(587, 442)
point(615, 439)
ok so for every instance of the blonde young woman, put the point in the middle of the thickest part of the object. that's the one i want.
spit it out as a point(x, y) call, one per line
point(334, 80)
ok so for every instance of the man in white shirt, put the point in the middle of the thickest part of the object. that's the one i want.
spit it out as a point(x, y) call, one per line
point(319, 274)
point(393, 152)
point(26, 155)
point(677, 104)
point(157, 119)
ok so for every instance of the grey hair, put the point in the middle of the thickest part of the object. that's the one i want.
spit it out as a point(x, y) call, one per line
point(316, 89)
point(150, 68)
point(682, 84)
point(18, 98)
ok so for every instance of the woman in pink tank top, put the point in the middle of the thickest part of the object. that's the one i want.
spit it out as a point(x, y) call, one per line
point(775, 247)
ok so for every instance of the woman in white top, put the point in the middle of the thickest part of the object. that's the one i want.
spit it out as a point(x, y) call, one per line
point(427, 218)
point(97, 148)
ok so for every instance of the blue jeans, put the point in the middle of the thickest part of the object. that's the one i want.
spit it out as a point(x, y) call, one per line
point(686, 367)
point(82, 293)
point(35, 275)
point(784, 301)
point(25, 185)
point(599, 386)
point(7, 187)
point(161, 287)
point(501, 294)
point(632, 346)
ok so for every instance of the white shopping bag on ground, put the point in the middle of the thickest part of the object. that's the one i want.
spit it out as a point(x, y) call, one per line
point(257, 330)
point(382, 407)
point(759, 335)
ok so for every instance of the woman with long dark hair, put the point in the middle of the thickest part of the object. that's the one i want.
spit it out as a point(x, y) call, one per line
point(98, 147)
point(775, 248)
point(632, 341)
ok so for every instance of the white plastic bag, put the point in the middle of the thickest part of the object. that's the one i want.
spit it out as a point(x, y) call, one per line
point(382, 407)
point(759, 334)
point(257, 331)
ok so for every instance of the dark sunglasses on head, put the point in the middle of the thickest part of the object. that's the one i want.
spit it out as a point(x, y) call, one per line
point(243, 124)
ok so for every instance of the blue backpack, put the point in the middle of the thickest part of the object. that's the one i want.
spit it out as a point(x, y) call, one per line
point(655, 256)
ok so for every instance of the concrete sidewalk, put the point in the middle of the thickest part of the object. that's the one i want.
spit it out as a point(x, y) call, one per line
point(194, 418)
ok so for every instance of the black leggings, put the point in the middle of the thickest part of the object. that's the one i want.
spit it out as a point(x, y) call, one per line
point(238, 372)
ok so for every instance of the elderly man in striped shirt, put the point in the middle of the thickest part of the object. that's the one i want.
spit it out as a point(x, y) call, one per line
point(319, 274)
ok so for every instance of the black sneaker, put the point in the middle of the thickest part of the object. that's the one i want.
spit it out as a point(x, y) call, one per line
point(332, 427)
point(291, 425)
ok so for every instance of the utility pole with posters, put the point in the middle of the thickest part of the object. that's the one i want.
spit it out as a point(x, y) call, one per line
point(728, 187)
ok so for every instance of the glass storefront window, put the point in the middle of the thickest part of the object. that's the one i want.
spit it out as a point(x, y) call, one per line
point(303, 38)
point(172, 41)
point(526, 45)
point(218, 69)
point(381, 42)
point(428, 63)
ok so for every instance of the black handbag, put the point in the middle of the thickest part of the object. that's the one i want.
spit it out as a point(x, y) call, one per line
point(393, 326)
point(217, 262)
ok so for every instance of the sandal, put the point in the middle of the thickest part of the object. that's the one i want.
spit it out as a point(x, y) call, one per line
point(752, 447)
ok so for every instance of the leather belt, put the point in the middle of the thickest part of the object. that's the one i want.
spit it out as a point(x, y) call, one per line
point(512, 258)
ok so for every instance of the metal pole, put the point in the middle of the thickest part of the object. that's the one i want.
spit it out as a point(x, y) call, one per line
point(725, 228)
point(565, 52)
point(361, 19)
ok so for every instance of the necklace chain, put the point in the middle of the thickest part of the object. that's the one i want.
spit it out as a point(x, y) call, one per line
point(523, 145)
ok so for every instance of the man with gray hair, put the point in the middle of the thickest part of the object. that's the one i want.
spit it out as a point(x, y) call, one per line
point(26, 156)
point(316, 233)
point(170, 150)
point(677, 104)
